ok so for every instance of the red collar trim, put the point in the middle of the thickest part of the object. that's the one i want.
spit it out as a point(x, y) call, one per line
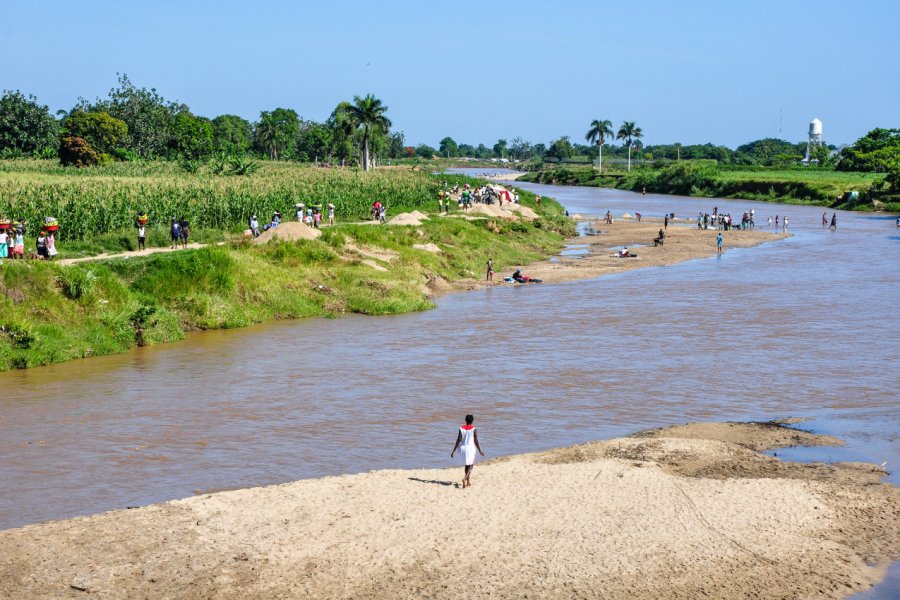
point(467, 427)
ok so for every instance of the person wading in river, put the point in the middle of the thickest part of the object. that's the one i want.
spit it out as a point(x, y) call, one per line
point(467, 443)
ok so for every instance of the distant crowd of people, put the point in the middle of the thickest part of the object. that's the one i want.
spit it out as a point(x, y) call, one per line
point(466, 196)
point(724, 222)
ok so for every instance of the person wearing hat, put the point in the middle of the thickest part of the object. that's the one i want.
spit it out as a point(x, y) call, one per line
point(254, 226)
point(331, 214)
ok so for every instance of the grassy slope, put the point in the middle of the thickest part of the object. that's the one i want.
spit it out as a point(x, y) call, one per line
point(50, 313)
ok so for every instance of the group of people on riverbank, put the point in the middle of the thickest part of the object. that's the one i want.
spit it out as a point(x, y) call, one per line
point(724, 222)
point(12, 240)
point(308, 215)
point(467, 196)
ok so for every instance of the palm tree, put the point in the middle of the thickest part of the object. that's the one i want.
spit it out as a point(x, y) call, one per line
point(368, 114)
point(597, 134)
point(267, 135)
point(629, 132)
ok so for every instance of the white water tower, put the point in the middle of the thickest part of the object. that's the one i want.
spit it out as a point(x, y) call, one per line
point(815, 138)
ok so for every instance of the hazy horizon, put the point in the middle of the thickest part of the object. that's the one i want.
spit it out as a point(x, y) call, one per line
point(693, 73)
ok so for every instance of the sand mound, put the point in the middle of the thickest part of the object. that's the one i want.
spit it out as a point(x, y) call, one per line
point(290, 231)
point(490, 210)
point(627, 216)
point(411, 218)
point(439, 285)
point(524, 211)
point(427, 247)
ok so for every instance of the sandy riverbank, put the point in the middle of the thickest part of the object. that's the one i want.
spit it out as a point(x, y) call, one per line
point(684, 512)
point(683, 242)
point(505, 176)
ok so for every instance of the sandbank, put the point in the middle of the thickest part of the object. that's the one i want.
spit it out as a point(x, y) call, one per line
point(685, 512)
point(683, 242)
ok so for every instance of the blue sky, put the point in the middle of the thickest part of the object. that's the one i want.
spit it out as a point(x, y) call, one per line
point(693, 71)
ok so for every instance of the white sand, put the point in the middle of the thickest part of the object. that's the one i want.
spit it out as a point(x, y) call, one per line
point(645, 517)
point(411, 218)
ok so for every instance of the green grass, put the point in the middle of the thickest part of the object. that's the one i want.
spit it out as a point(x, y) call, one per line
point(52, 313)
point(814, 186)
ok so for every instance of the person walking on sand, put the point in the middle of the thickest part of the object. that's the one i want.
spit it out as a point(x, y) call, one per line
point(467, 443)
point(490, 270)
point(666, 222)
point(719, 243)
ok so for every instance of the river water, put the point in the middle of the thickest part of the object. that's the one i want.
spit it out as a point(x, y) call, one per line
point(802, 327)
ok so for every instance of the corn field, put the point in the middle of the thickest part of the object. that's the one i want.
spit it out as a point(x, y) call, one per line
point(107, 199)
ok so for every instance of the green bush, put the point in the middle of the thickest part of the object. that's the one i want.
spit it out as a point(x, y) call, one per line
point(20, 334)
point(103, 132)
point(78, 283)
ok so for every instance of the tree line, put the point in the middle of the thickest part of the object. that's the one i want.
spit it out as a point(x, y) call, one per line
point(138, 123)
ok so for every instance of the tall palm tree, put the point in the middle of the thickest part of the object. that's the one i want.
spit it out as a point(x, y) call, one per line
point(629, 132)
point(368, 114)
point(267, 135)
point(597, 134)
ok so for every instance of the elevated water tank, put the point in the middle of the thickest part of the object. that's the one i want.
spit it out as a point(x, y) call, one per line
point(815, 127)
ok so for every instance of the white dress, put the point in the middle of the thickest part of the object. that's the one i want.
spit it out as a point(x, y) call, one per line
point(467, 445)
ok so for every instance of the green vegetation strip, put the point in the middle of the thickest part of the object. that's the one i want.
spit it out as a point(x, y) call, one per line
point(51, 313)
point(698, 178)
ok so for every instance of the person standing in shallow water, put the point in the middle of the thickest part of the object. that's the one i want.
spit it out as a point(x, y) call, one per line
point(467, 444)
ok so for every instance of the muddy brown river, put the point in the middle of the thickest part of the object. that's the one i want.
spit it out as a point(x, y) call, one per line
point(803, 327)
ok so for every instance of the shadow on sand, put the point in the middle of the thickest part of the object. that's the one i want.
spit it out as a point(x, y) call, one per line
point(434, 482)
